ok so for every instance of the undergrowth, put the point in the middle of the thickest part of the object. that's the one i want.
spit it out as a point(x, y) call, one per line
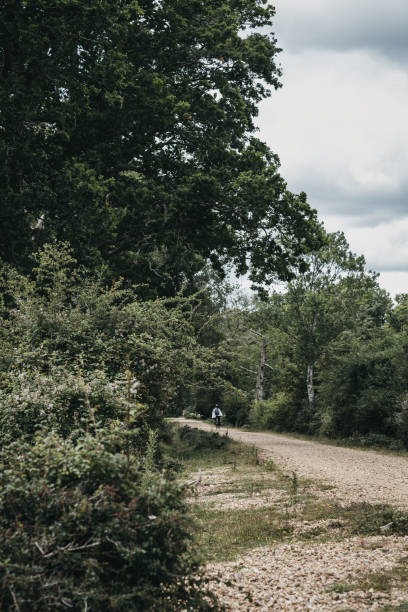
point(197, 449)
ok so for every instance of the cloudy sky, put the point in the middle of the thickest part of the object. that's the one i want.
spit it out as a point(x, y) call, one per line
point(339, 123)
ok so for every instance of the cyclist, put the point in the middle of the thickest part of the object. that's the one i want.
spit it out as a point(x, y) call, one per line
point(216, 415)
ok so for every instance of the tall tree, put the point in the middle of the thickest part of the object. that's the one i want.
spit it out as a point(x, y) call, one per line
point(126, 128)
point(334, 293)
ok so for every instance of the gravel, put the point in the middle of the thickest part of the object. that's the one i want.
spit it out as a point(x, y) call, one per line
point(317, 576)
point(301, 576)
point(356, 475)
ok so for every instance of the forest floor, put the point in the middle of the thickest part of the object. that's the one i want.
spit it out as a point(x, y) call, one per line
point(288, 524)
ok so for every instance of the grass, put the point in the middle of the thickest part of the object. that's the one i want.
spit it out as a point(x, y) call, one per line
point(198, 449)
point(224, 535)
point(359, 518)
point(342, 587)
point(377, 581)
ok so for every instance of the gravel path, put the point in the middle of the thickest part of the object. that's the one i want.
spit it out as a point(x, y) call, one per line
point(303, 576)
point(357, 475)
point(334, 575)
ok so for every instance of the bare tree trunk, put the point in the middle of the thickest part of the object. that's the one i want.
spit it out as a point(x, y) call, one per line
point(310, 385)
point(259, 391)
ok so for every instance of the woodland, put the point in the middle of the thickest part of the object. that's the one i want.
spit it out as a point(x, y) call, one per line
point(133, 188)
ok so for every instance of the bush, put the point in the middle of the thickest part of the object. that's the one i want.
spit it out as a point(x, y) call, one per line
point(84, 527)
point(277, 413)
point(69, 404)
point(374, 440)
point(191, 415)
point(401, 419)
point(197, 440)
point(61, 402)
point(63, 318)
point(236, 404)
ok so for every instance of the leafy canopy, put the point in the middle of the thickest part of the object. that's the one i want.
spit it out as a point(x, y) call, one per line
point(126, 129)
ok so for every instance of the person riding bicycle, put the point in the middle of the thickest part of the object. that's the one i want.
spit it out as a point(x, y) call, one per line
point(216, 415)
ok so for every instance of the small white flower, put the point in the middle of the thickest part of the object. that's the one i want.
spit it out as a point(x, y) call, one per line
point(151, 517)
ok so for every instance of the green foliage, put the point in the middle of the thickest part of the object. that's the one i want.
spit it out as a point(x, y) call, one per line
point(63, 321)
point(150, 457)
point(367, 519)
point(83, 528)
point(197, 449)
point(86, 372)
point(236, 405)
point(191, 415)
point(359, 394)
point(195, 440)
point(126, 130)
point(373, 440)
point(332, 359)
point(335, 322)
point(60, 402)
point(278, 413)
point(327, 300)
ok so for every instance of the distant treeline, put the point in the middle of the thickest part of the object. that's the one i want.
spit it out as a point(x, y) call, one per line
point(326, 356)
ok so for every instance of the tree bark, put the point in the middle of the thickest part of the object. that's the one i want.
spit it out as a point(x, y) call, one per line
point(259, 391)
point(310, 384)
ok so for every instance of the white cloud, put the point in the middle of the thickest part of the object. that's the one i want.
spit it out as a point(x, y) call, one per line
point(395, 282)
point(385, 246)
point(338, 126)
point(349, 24)
point(339, 122)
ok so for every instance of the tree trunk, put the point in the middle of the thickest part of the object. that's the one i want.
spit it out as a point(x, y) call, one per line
point(259, 391)
point(310, 385)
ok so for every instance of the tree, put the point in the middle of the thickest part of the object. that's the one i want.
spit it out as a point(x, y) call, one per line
point(245, 347)
point(361, 385)
point(364, 391)
point(324, 301)
point(333, 297)
point(126, 129)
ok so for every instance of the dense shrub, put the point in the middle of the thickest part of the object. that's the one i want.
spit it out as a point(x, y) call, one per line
point(84, 527)
point(372, 440)
point(61, 402)
point(236, 405)
point(191, 415)
point(70, 404)
point(277, 413)
point(360, 385)
point(86, 373)
point(197, 440)
point(62, 317)
point(401, 419)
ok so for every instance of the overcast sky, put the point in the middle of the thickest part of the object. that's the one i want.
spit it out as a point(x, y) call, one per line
point(339, 123)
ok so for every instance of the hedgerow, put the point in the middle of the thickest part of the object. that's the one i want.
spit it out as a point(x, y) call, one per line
point(85, 527)
point(87, 520)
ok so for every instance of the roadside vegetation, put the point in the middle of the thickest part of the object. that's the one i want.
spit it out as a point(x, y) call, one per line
point(267, 505)
point(91, 514)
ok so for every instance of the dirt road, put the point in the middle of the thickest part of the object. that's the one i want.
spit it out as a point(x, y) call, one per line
point(356, 475)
